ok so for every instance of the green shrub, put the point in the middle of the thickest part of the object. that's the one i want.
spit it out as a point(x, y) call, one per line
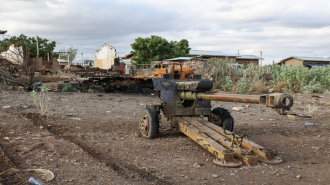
point(30, 81)
point(59, 73)
point(228, 86)
point(243, 85)
point(316, 88)
point(69, 88)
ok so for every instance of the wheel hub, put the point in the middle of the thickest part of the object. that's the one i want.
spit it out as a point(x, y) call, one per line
point(144, 125)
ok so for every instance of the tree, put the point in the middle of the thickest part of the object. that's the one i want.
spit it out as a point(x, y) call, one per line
point(29, 44)
point(70, 54)
point(157, 48)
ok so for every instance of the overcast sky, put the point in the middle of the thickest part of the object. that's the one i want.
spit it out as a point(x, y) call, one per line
point(278, 28)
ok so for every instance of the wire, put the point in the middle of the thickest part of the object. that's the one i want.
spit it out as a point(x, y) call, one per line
point(76, 46)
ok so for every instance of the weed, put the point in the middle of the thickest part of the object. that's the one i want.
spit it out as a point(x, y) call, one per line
point(69, 88)
point(99, 86)
point(30, 81)
point(327, 124)
point(59, 73)
point(312, 109)
point(41, 99)
point(228, 86)
point(326, 91)
point(243, 85)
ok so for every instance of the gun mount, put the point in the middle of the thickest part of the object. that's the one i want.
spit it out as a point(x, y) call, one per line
point(187, 104)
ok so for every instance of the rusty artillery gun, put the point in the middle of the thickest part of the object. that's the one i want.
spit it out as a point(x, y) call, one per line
point(187, 106)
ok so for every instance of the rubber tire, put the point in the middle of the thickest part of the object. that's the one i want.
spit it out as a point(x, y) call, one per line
point(227, 121)
point(153, 122)
point(135, 88)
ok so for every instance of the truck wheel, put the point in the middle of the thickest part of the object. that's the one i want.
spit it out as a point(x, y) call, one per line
point(222, 118)
point(149, 123)
point(136, 88)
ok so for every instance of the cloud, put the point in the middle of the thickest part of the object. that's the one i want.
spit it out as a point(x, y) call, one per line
point(278, 28)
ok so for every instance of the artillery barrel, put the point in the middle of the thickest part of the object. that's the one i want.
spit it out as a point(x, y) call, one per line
point(277, 100)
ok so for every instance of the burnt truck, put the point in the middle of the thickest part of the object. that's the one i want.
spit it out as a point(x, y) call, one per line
point(134, 78)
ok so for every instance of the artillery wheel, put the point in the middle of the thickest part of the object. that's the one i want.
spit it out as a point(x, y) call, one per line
point(135, 88)
point(222, 118)
point(149, 123)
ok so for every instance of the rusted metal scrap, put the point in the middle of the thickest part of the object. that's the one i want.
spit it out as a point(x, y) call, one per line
point(186, 105)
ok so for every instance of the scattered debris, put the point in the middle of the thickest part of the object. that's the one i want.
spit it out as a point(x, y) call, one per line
point(316, 96)
point(309, 124)
point(298, 176)
point(34, 181)
point(215, 175)
point(6, 138)
point(99, 95)
point(300, 115)
point(69, 114)
point(48, 174)
point(238, 108)
point(6, 107)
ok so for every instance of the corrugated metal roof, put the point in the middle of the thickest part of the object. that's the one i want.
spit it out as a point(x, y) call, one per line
point(3, 32)
point(181, 58)
point(313, 58)
point(249, 57)
point(210, 53)
point(308, 58)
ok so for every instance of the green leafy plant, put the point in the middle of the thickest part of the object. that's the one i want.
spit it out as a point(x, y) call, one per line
point(30, 81)
point(243, 85)
point(59, 73)
point(69, 88)
point(228, 86)
point(99, 87)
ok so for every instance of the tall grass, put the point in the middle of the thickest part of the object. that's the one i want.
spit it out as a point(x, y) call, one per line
point(283, 78)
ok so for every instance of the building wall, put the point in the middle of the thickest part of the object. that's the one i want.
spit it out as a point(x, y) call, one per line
point(223, 58)
point(106, 52)
point(104, 63)
point(293, 61)
point(247, 61)
point(41, 64)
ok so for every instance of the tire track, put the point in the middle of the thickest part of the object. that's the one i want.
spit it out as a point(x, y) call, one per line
point(120, 167)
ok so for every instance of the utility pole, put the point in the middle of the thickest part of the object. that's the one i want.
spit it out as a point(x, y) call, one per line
point(37, 46)
point(261, 59)
point(82, 60)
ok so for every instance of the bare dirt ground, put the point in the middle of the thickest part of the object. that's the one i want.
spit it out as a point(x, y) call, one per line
point(98, 143)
